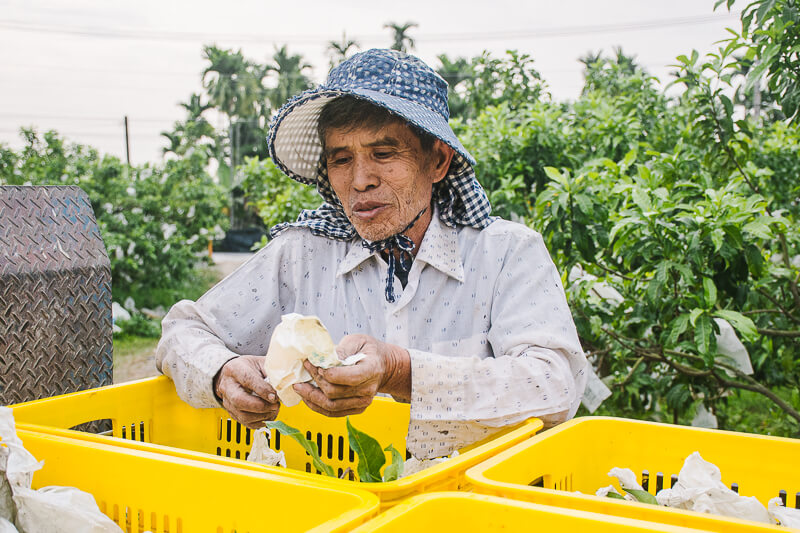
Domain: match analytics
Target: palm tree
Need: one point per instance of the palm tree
(174, 139)
(402, 41)
(229, 81)
(339, 50)
(291, 79)
(195, 107)
(194, 132)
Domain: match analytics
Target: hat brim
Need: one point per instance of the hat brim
(294, 143)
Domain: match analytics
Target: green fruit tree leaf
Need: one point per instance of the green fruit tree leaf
(310, 447)
(702, 333)
(642, 496)
(370, 454)
(394, 470)
(709, 292)
(743, 324)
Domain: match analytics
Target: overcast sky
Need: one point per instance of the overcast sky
(80, 66)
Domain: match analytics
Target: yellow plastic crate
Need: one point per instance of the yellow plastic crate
(144, 491)
(148, 415)
(465, 512)
(577, 455)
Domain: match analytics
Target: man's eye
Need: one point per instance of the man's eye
(383, 154)
(336, 161)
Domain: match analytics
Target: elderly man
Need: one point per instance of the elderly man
(459, 313)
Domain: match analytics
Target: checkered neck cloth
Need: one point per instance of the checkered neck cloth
(408, 88)
(459, 197)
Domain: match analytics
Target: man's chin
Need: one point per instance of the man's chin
(373, 234)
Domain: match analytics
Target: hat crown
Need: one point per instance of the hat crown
(392, 72)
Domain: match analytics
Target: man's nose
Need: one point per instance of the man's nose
(365, 174)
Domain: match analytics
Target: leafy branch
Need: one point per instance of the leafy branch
(371, 458)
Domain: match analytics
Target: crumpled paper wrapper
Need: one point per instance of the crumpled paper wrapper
(627, 480)
(296, 339)
(261, 453)
(700, 488)
(785, 516)
(47, 510)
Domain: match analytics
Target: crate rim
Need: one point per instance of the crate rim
(368, 506)
(477, 474)
(418, 500)
(473, 455)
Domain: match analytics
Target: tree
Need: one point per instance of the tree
(771, 34)
(511, 80)
(670, 218)
(194, 132)
(340, 49)
(402, 41)
(234, 89)
(290, 79)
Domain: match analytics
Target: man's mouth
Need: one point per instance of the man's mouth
(368, 210)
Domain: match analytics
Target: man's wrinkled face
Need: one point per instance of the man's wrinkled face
(383, 177)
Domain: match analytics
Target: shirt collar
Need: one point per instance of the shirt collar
(439, 249)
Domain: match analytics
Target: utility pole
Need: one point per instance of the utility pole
(127, 143)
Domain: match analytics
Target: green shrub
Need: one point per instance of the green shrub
(155, 221)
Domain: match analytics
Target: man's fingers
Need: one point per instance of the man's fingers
(350, 375)
(335, 392)
(350, 345)
(241, 400)
(256, 383)
(317, 401)
(332, 414)
(313, 370)
(255, 420)
(354, 381)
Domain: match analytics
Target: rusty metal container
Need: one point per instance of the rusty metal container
(55, 294)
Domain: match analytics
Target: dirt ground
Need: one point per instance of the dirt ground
(136, 359)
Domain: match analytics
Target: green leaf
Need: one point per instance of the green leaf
(308, 446)
(709, 292)
(694, 314)
(641, 199)
(679, 325)
(743, 324)
(370, 454)
(642, 496)
(394, 470)
(702, 333)
(758, 228)
(615, 495)
(717, 237)
(629, 158)
(555, 175)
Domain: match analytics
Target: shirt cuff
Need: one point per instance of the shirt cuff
(194, 376)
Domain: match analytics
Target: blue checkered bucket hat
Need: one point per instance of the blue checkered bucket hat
(408, 88)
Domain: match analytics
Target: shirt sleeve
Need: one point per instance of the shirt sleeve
(236, 317)
(538, 368)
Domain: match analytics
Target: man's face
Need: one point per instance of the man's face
(382, 177)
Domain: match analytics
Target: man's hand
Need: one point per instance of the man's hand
(245, 393)
(348, 390)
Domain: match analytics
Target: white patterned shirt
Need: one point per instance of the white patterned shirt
(483, 316)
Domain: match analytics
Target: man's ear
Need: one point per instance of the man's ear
(441, 156)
